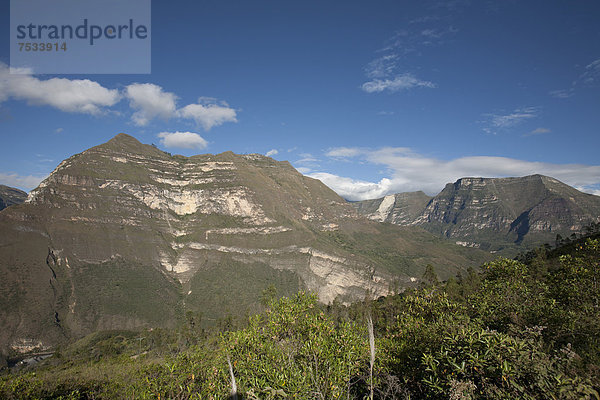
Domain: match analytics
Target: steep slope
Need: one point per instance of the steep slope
(504, 214)
(124, 235)
(10, 196)
(399, 209)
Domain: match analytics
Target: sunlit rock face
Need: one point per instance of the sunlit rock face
(124, 235)
(492, 213)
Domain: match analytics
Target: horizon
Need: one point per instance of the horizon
(371, 99)
(348, 200)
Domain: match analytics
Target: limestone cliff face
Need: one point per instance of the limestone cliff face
(124, 235)
(399, 209)
(10, 196)
(494, 213)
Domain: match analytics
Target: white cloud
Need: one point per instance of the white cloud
(76, 96)
(538, 131)
(272, 152)
(562, 93)
(303, 170)
(208, 114)
(150, 101)
(401, 82)
(352, 189)
(58, 130)
(410, 171)
(497, 122)
(591, 74)
(342, 152)
(589, 77)
(514, 118)
(183, 140)
(382, 66)
(25, 182)
(307, 158)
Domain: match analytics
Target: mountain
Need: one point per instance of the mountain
(124, 235)
(10, 196)
(399, 209)
(497, 214)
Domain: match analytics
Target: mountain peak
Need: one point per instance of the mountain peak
(124, 138)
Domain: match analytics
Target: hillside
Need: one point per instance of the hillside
(124, 235)
(512, 330)
(10, 196)
(496, 214)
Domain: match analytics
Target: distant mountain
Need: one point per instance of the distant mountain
(497, 214)
(10, 196)
(124, 235)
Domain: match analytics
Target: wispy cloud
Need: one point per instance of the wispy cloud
(402, 82)
(25, 182)
(307, 158)
(500, 121)
(389, 71)
(382, 66)
(272, 152)
(591, 74)
(410, 171)
(562, 93)
(182, 140)
(343, 152)
(538, 131)
(589, 77)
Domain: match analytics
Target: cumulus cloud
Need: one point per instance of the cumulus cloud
(352, 189)
(401, 82)
(69, 95)
(182, 140)
(209, 115)
(410, 171)
(25, 182)
(272, 152)
(150, 101)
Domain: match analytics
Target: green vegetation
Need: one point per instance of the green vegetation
(515, 330)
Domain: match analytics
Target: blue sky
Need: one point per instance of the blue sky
(370, 97)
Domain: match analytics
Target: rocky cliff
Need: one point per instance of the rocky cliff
(505, 214)
(10, 196)
(125, 235)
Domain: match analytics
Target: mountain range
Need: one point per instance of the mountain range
(10, 196)
(504, 215)
(126, 236)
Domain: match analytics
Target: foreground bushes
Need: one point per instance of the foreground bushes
(515, 331)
